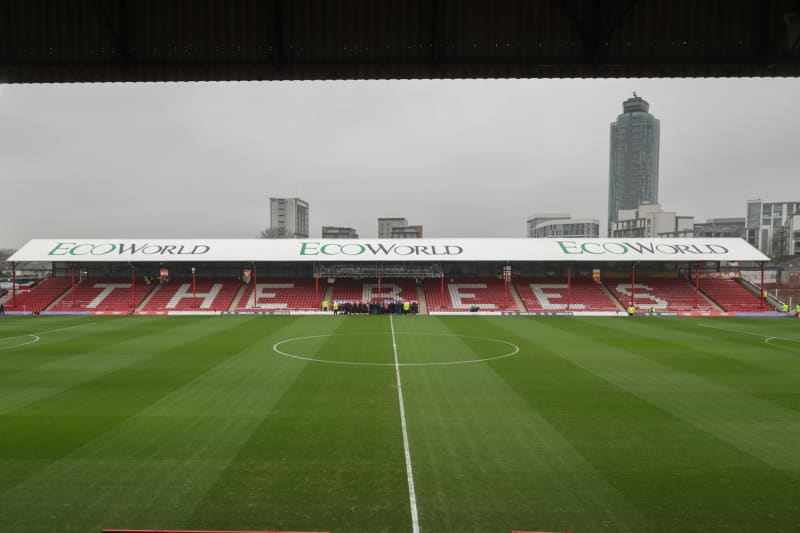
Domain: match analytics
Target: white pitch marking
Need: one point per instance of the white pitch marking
(412, 495)
(766, 338)
(68, 327)
(35, 339)
(515, 351)
(766, 341)
(36, 335)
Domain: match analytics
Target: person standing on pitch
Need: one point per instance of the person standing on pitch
(335, 308)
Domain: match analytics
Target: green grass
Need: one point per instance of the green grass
(595, 425)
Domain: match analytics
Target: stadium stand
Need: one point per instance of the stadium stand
(111, 295)
(552, 294)
(672, 295)
(784, 292)
(464, 294)
(284, 294)
(40, 296)
(177, 295)
(731, 296)
(404, 289)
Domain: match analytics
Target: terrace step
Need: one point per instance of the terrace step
(148, 298)
(423, 304)
(512, 289)
(613, 297)
(237, 297)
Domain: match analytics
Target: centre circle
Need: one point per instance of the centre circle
(439, 349)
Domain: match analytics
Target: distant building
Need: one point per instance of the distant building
(721, 227)
(547, 225)
(406, 232)
(793, 234)
(633, 165)
(334, 232)
(385, 226)
(288, 218)
(649, 220)
(397, 228)
(774, 227)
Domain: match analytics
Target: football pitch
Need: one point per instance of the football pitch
(375, 424)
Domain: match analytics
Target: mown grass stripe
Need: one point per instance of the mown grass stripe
(578, 430)
(107, 347)
(737, 359)
(55, 342)
(328, 457)
(677, 475)
(47, 430)
(471, 430)
(161, 461)
(764, 430)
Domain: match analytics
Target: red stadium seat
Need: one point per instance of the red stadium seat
(112, 295)
(39, 297)
(731, 296)
(208, 295)
(552, 294)
(671, 295)
(462, 294)
(291, 294)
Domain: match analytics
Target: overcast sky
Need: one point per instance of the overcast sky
(464, 158)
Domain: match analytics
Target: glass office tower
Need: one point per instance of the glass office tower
(633, 164)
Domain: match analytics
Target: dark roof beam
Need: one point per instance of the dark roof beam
(587, 34)
(602, 24)
(765, 49)
(435, 52)
(791, 18)
(119, 34)
(616, 21)
(278, 17)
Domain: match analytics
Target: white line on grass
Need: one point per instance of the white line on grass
(513, 352)
(766, 338)
(412, 496)
(35, 339)
(36, 336)
(68, 327)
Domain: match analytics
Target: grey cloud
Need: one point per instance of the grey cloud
(462, 157)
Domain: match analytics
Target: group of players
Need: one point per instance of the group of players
(371, 308)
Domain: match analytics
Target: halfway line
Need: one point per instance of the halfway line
(412, 496)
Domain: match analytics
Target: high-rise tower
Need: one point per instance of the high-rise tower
(633, 164)
(288, 218)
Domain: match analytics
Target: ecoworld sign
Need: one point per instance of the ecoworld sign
(354, 249)
(644, 248)
(75, 249)
(248, 251)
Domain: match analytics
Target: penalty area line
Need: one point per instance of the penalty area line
(36, 336)
(35, 339)
(66, 328)
(766, 338)
(412, 495)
